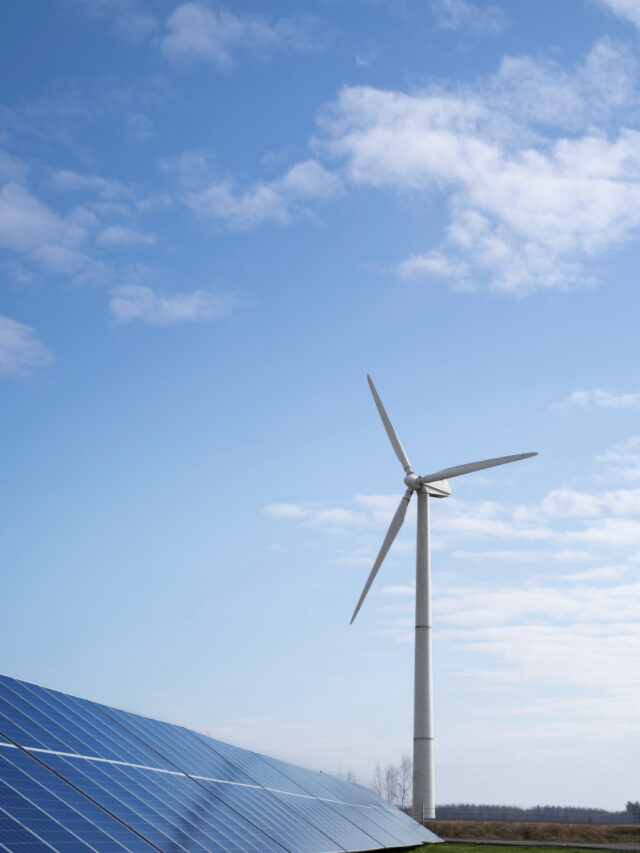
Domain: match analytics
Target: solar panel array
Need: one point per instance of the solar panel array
(79, 776)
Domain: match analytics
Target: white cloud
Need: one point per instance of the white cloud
(20, 348)
(525, 556)
(569, 632)
(65, 180)
(130, 21)
(369, 511)
(41, 237)
(598, 397)
(131, 302)
(613, 532)
(120, 235)
(273, 201)
(195, 31)
(286, 511)
(623, 459)
(398, 590)
(628, 10)
(435, 263)
(476, 607)
(602, 573)
(454, 14)
(11, 169)
(70, 242)
(529, 208)
(26, 224)
(567, 525)
(540, 92)
(596, 653)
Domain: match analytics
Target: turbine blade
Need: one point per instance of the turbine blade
(393, 438)
(457, 470)
(392, 532)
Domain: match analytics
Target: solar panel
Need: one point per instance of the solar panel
(79, 776)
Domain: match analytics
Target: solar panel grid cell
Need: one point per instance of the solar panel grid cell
(365, 822)
(93, 777)
(17, 838)
(389, 820)
(64, 804)
(206, 814)
(33, 716)
(21, 729)
(321, 815)
(44, 707)
(82, 728)
(158, 811)
(353, 820)
(250, 764)
(45, 827)
(178, 746)
(208, 768)
(101, 783)
(346, 825)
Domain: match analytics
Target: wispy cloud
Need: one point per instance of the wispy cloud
(65, 180)
(266, 201)
(569, 623)
(600, 398)
(627, 10)
(131, 302)
(121, 235)
(623, 459)
(455, 14)
(39, 235)
(525, 556)
(21, 350)
(530, 205)
(198, 32)
(436, 264)
(565, 527)
(129, 18)
(368, 511)
(600, 573)
(287, 511)
(69, 234)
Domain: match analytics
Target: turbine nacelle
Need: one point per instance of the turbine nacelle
(438, 489)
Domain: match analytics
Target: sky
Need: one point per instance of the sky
(215, 220)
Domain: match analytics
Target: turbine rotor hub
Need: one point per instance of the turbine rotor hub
(412, 481)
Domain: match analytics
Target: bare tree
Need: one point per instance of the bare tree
(377, 782)
(390, 783)
(405, 779)
(348, 775)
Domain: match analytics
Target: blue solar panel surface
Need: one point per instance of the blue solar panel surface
(79, 776)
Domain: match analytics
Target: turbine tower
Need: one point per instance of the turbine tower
(434, 486)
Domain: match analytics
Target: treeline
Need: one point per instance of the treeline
(538, 814)
(394, 783)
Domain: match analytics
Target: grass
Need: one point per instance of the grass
(503, 848)
(573, 834)
(452, 847)
(566, 833)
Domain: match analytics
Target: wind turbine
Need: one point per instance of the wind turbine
(435, 486)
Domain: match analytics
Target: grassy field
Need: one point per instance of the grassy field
(450, 847)
(567, 833)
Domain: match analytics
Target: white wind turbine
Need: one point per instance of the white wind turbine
(435, 486)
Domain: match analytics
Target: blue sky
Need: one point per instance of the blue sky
(214, 221)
